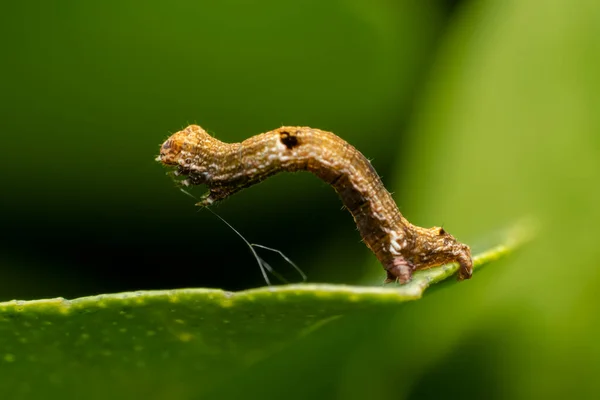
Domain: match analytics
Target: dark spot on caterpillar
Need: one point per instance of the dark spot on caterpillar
(442, 231)
(288, 140)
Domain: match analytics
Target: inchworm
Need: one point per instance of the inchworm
(227, 168)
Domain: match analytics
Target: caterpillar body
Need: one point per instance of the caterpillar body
(227, 168)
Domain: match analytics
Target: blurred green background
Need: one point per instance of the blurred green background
(92, 89)
(476, 114)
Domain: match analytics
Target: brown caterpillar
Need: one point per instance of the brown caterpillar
(229, 167)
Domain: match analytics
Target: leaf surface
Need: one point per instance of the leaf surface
(175, 343)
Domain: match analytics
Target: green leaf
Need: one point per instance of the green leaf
(177, 343)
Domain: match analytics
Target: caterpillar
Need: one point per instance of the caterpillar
(226, 168)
